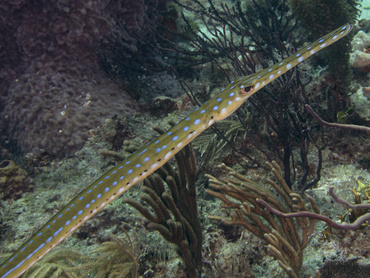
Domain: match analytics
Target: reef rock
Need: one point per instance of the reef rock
(360, 56)
(14, 181)
(361, 100)
(52, 87)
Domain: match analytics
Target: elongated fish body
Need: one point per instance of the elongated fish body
(150, 157)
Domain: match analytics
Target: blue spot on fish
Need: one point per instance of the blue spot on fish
(143, 152)
(57, 232)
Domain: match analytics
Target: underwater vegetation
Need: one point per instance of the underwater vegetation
(215, 143)
(318, 17)
(240, 40)
(117, 258)
(263, 210)
(286, 240)
(171, 208)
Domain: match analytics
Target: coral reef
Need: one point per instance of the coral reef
(14, 181)
(166, 207)
(53, 89)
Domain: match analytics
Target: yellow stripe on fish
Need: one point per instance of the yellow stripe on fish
(150, 157)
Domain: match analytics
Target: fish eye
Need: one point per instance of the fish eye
(246, 90)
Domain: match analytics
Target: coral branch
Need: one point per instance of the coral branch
(345, 203)
(342, 226)
(286, 238)
(174, 210)
(321, 121)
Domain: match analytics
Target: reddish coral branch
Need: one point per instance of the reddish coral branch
(345, 203)
(321, 121)
(342, 226)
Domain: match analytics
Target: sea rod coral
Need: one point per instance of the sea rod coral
(286, 239)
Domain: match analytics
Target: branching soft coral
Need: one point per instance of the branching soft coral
(286, 239)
